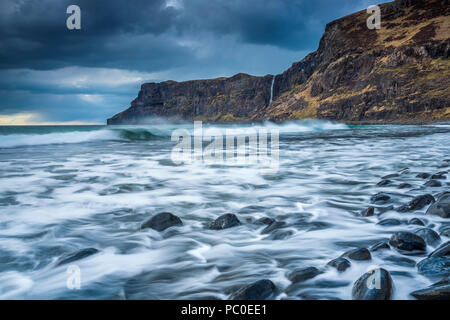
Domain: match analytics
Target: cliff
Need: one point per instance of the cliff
(397, 74)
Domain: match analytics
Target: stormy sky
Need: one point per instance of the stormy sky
(50, 74)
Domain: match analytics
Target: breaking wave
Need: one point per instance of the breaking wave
(19, 137)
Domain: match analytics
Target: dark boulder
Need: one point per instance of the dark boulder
(416, 221)
(439, 176)
(442, 251)
(380, 197)
(408, 243)
(441, 207)
(401, 261)
(429, 235)
(376, 284)
(438, 291)
(264, 221)
(358, 254)
(384, 183)
(423, 175)
(225, 221)
(280, 235)
(390, 176)
(162, 221)
(443, 195)
(445, 232)
(303, 274)
(380, 246)
(389, 222)
(341, 264)
(434, 267)
(81, 254)
(433, 184)
(382, 210)
(368, 212)
(273, 226)
(259, 290)
(404, 186)
(417, 203)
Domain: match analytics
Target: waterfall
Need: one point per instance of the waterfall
(271, 90)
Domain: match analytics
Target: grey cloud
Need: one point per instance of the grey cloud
(197, 39)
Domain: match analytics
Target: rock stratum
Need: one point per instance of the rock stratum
(397, 74)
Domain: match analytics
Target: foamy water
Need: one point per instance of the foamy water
(63, 190)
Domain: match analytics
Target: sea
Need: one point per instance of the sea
(68, 188)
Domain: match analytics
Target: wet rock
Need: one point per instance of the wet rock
(408, 243)
(389, 222)
(380, 246)
(368, 212)
(382, 210)
(162, 221)
(328, 284)
(438, 291)
(280, 235)
(137, 287)
(390, 176)
(380, 197)
(384, 183)
(84, 253)
(434, 267)
(303, 274)
(401, 261)
(423, 175)
(416, 221)
(439, 176)
(433, 184)
(404, 186)
(273, 226)
(430, 236)
(374, 285)
(417, 203)
(225, 221)
(341, 264)
(445, 232)
(358, 254)
(259, 290)
(442, 251)
(442, 195)
(441, 207)
(264, 221)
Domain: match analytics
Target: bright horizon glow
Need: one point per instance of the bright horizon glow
(33, 119)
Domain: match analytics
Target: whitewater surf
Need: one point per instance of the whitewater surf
(81, 194)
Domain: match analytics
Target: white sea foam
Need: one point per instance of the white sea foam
(97, 195)
(14, 140)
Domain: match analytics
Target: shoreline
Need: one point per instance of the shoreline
(366, 122)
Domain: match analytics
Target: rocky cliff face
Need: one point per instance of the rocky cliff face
(398, 74)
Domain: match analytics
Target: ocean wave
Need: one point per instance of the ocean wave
(16, 140)
(306, 126)
(290, 127)
(141, 134)
(147, 133)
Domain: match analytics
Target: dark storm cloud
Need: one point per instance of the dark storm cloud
(289, 24)
(120, 34)
(145, 35)
(160, 39)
